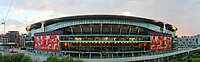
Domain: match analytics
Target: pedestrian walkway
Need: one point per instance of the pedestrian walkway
(34, 56)
(41, 58)
(140, 57)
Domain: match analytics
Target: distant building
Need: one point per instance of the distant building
(189, 41)
(3, 38)
(13, 36)
(10, 39)
(23, 39)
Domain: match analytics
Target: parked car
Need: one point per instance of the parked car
(23, 48)
(12, 51)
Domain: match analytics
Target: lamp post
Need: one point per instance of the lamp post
(10, 4)
(4, 25)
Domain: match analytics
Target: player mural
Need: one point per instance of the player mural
(44, 42)
(161, 42)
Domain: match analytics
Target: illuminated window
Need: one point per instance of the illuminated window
(105, 38)
(78, 39)
(131, 39)
(114, 38)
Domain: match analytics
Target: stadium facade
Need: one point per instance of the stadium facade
(101, 36)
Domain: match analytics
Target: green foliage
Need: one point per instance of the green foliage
(17, 57)
(7, 58)
(14, 58)
(53, 58)
(20, 56)
(195, 59)
(192, 57)
(78, 60)
(1, 56)
(66, 59)
(26, 59)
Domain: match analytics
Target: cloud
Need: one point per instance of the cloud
(181, 13)
(13, 25)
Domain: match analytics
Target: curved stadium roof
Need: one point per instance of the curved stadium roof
(138, 19)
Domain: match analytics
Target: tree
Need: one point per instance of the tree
(52, 58)
(14, 57)
(78, 60)
(17, 57)
(6, 58)
(26, 59)
(1, 56)
(66, 59)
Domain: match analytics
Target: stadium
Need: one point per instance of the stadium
(101, 36)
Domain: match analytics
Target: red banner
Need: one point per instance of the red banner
(44, 42)
(161, 42)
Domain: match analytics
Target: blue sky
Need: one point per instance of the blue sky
(184, 14)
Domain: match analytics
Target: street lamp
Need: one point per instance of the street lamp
(4, 25)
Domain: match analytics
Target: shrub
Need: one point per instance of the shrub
(52, 58)
(1, 56)
(78, 60)
(17, 57)
(26, 59)
(66, 59)
(6, 58)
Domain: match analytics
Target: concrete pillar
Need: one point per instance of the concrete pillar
(141, 54)
(132, 54)
(79, 55)
(158, 60)
(111, 29)
(69, 55)
(90, 56)
(168, 59)
(43, 29)
(162, 59)
(122, 54)
(101, 55)
(154, 60)
(112, 55)
(117, 54)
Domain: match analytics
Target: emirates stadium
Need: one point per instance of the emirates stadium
(101, 36)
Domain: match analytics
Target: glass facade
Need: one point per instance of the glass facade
(105, 46)
(101, 21)
(103, 38)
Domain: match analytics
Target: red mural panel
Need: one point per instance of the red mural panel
(161, 42)
(44, 42)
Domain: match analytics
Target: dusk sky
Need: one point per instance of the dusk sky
(184, 14)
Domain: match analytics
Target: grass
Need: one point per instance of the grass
(195, 59)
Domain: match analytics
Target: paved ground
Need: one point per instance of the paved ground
(35, 57)
(41, 58)
(140, 57)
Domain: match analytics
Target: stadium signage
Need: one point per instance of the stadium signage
(161, 42)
